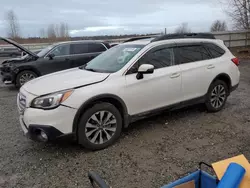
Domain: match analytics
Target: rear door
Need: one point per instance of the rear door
(82, 53)
(60, 61)
(193, 59)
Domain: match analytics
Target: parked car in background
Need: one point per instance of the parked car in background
(56, 57)
(34, 51)
(114, 44)
(126, 83)
(10, 52)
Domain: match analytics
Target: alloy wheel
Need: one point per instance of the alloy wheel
(100, 127)
(218, 96)
(26, 77)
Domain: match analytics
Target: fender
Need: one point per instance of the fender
(103, 97)
(224, 77)
(19, 69)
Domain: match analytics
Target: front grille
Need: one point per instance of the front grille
(21, 102)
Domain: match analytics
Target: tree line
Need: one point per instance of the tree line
(237, 10)
(52, 31)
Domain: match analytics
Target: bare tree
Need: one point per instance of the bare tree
(42, 33)
(51, 31)
(183, 28)
(218, 26)
(64, 30)
(239, 11)
(58, 30)
(13, 29)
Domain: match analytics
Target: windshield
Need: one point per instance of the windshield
(44, 51)
(113, 59)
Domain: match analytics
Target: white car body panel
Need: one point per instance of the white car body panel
(63, 80)
(166, 86)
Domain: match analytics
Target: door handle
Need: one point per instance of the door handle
(175, 75)
(210, 66)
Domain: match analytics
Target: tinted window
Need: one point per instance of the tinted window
(78, 48)
(61, 50)
(215, 51)
(186, 54)
(159, 58)
(96, 48)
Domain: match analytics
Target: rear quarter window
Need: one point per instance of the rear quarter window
(215, 50)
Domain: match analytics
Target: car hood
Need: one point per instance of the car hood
(63, 80)
(13, 60)
(22, 48)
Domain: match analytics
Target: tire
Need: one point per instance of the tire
(20, 79)
(217, 96)
(89, 131)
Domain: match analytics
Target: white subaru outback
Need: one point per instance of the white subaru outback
(130, 81)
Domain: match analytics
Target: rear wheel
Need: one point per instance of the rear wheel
(24, 77)
(217, 96)
(100, 126)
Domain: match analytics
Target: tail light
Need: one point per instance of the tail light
(236, 61)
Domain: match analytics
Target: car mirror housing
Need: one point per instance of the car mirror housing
(51, 56)
(144, 69)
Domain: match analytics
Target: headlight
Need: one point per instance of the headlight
(52, 100)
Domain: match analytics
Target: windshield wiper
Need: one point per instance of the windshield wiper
(92, 70)
(88, 69)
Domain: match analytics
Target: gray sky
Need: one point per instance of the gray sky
(101, 17)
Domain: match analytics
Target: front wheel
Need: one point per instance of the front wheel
(24, 77)
(100, 126)
(217, 96)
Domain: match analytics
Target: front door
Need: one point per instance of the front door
(159, 89)
(60, 60)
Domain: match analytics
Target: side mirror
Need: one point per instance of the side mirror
(51, 56)
(144, 69)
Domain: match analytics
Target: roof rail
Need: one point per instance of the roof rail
(184, 35)
(137, 38)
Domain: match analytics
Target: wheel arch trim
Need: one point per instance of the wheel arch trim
(95, 99)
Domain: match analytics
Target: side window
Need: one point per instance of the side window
(96, 48)
(187, 54)
(159, 58)
(215, 50)
(61, 50)
(78, 48)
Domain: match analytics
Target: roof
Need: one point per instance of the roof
(170, 37)
(79, 41)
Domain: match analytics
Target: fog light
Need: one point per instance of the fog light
(43, 136)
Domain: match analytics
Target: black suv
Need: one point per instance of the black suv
(57, 57)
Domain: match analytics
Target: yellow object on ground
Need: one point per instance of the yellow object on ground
(221, 167)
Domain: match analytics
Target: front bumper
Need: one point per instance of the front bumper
(6, 77)
(54, 123)
(34, 132)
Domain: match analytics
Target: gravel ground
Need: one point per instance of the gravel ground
(150, 153)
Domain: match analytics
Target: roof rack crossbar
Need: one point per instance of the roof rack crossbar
(184, 35)
(137, 38)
